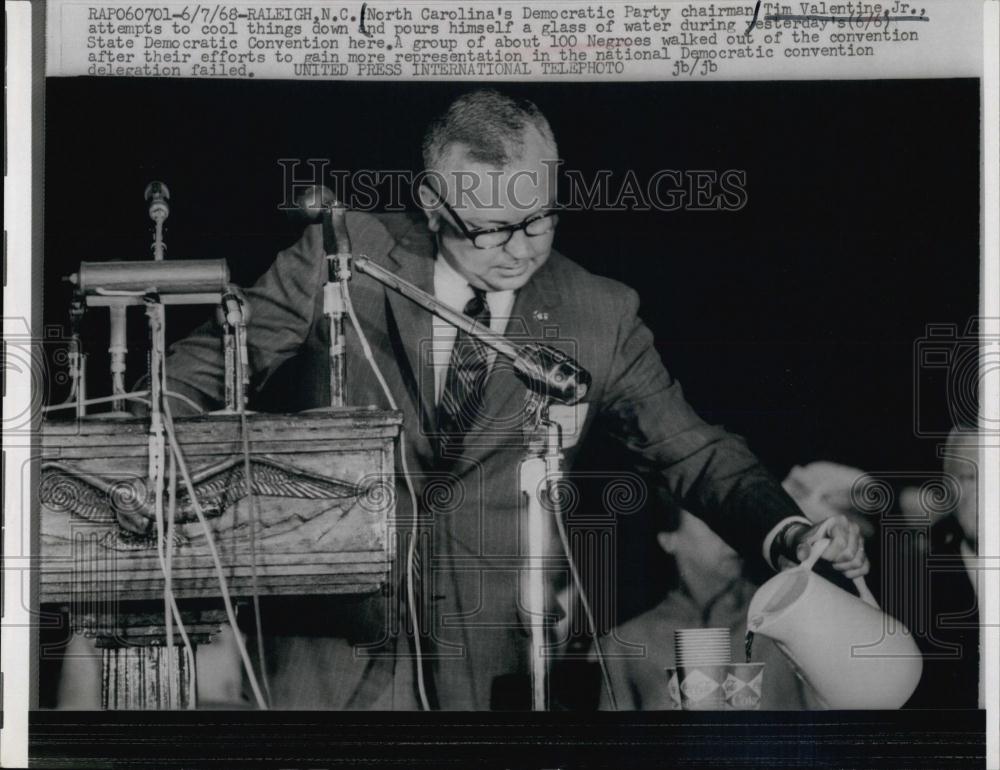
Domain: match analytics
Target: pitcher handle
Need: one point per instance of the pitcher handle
(817, 550)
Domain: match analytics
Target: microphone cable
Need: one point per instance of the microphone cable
(135, 395)
(168, 424)
(588, 612)
(171, 611)
(412, 545)
(252, 509)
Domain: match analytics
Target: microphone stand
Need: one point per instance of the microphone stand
(77, 356)
(232, 314)
(337, 245)
(539, 474)
(320, 204)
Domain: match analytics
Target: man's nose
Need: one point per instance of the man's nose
(520, 246)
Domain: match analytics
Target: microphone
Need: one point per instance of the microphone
(551, 373)
(234, 308)
(159, 209)
(314, 201)
(159, 201)
(319, 204)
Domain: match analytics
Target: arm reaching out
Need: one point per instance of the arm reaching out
(282, 310)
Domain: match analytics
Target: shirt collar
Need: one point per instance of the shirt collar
(449, 280)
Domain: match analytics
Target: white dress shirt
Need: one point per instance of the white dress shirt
(452, 289)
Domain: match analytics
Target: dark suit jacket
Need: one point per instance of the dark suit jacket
(471, 586)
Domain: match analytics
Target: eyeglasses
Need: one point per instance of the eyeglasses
(495, 237)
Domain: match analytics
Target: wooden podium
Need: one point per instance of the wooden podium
(324, 486)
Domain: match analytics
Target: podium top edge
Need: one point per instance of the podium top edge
(347, 416)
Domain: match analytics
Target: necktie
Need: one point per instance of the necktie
(465, 383)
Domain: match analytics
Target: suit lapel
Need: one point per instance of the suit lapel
(413, 258)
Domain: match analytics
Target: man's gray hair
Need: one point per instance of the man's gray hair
(489, 125)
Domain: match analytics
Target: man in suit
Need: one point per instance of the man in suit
(483, 244)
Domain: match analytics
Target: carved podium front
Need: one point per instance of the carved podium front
(323, 498)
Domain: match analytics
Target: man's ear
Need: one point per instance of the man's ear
(667, 541)
(431, 208)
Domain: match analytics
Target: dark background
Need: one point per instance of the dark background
(793, 321)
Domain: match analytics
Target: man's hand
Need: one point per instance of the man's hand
(846, 550)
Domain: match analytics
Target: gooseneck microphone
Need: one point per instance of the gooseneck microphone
(545, 370)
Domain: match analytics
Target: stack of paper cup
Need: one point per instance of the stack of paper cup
(703, 656)
(702, 647)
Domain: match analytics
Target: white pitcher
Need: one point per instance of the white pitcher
(850, 652)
